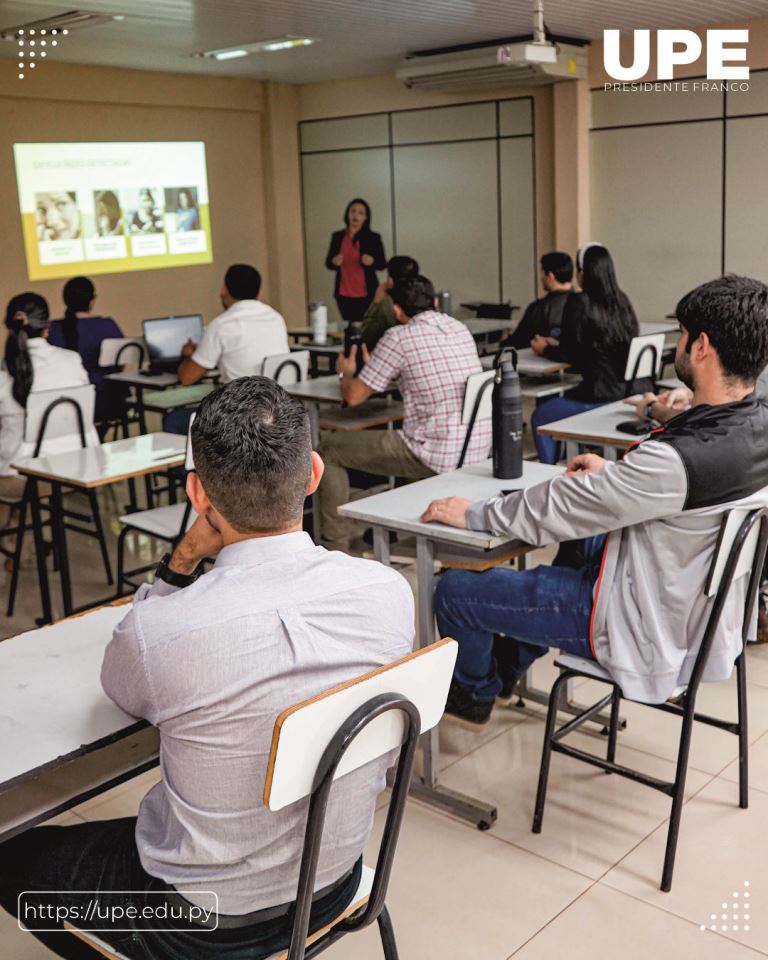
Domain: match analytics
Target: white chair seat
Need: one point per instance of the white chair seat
(591, 668)
(160, 521)
(359, 900)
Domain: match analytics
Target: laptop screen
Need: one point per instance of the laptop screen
(165, 336)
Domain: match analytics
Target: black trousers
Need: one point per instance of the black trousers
(102, 856)
(352, 309)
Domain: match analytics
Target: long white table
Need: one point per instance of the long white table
(399, 510)
(87, 468)
(64, 740)
(598, 428)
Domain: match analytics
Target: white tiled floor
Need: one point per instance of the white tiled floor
(586, 888)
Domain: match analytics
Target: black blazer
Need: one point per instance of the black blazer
(369, 243)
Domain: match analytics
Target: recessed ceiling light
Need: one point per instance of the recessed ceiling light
(261, 46)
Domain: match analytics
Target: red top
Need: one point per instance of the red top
(352, 282)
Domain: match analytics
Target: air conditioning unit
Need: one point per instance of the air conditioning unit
(516, 64)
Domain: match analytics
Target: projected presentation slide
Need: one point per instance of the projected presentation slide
(110, 207)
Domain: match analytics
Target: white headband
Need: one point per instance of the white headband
(582, 250)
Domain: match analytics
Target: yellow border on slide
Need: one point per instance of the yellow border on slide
(52, 271)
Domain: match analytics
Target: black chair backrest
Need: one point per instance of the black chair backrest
(131, 345)
(61, 401)
(318, 804)
(726, 574)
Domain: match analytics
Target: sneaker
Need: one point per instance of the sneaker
(463, 710)
(506, 695)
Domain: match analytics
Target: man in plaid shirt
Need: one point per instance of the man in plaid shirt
(428, 356)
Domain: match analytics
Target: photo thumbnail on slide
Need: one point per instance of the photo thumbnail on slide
(112, 207)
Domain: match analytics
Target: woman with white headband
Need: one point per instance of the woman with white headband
(597, 327)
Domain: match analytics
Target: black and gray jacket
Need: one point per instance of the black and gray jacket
(662, 506)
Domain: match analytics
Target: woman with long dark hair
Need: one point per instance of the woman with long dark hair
(597, 327)
(31, 364)
(83, 330)
(355, 253)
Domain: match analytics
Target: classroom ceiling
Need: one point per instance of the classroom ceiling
(355, 37)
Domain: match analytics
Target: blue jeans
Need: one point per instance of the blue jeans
(533, 609)
(558, 408)
(177, 421)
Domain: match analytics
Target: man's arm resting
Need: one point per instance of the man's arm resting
(190, 372)
(354, 391)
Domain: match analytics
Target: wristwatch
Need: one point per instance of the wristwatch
(164, 573)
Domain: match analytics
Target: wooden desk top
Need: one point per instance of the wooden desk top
(163, 400)
(153, 381)
(109, 462)
(52, 706)
(596, 426)
(321, 390)
(400, 509)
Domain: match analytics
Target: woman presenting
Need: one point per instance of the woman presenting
(355, 253)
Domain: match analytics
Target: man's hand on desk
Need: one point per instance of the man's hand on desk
(189, 348)
(663, 407)
(585, 463)
(451, 511)
(199, 542)
(539, 344)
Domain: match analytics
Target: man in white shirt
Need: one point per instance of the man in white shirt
(238, 340)
(211, 661)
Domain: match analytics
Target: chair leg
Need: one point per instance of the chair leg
(613, 729)
(16, 560)
(387, 933)
(546, 751)
(100, 535)
(121, 561)
(677, 797)
(741, 696)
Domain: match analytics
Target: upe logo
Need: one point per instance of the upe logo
(677, 47)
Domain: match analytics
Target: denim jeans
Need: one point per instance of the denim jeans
(177, 421)
(533, 609)
(558, 408)
(102, 856)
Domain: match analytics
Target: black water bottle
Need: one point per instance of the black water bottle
(352, 339)
(507, 420)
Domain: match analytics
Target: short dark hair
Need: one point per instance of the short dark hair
(252, 450)
(243, 281)
(558, 263)
(401, 267)
(413, 295)
(733, 312)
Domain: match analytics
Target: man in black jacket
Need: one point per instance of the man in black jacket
(543, 317)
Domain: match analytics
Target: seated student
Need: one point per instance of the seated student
(380, 315)
(428, 356)
(31, 364)
(211, 661)
(597, 327)
(83, 331)
(543, 318)
(639, 610)
(236, 341)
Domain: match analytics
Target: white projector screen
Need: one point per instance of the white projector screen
(112, 207)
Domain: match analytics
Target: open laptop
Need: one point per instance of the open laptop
(165, 336)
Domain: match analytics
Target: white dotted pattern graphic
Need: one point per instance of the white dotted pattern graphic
(30, 46)
(739, 918)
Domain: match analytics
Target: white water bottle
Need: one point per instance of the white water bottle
(318, 320)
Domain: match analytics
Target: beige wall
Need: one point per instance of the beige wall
(336, 98)
(87, 103)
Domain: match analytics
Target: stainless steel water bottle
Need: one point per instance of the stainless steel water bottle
(507, 420)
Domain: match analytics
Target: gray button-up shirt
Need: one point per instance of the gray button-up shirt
(276, 621)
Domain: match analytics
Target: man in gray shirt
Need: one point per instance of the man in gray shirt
(211, 661)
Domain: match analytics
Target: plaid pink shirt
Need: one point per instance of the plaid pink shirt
(430, 359)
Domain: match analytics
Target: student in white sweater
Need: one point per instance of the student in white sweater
(31, 364)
